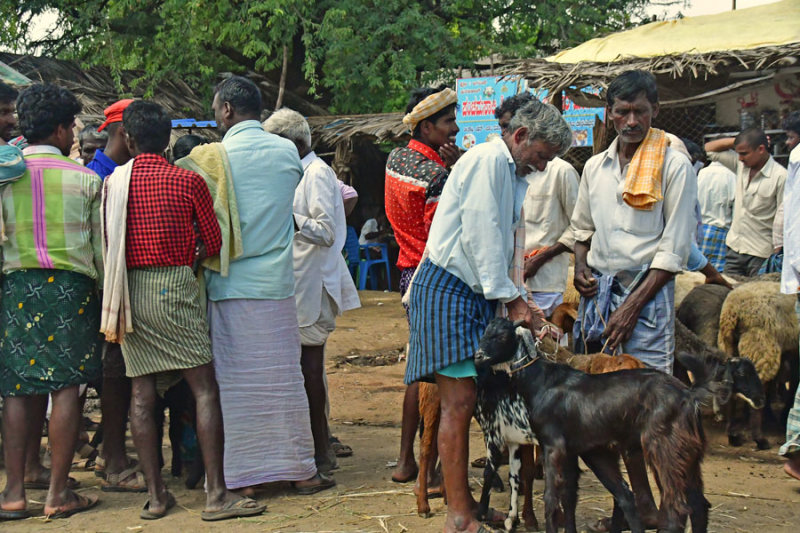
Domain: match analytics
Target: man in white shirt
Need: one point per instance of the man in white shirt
(716, 187)
(456, 289)
(790, 279)
(759, 189)
(323, 286)
(548, 207)
(626, 257)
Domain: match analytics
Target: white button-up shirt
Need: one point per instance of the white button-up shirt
(472, 234)
(317, 249)
(716, 190)
(790, 275)
(624, 238)
(756, 202)
(548, 207)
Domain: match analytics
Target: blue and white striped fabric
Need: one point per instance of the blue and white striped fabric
(712, 244)
(447, 321)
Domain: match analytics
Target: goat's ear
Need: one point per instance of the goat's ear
(518, 323)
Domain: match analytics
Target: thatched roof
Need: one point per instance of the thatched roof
(96, 89)
(332, 130)
(682, 78)
(694, 58)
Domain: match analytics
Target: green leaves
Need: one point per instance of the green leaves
(357, 56)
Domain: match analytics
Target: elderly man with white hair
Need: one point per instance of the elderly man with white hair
(323, 286)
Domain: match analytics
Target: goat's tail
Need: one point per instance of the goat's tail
(674, 452)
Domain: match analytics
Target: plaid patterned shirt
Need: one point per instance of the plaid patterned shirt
(163, 203)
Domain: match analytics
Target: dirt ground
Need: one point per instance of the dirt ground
(747, 489)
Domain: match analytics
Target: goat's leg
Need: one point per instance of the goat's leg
(756, 422)
(528, 475)
(569, 493)
(605, 465)
(734, 438)
(637, 474)
(493, 452)
(514, 466)
(553, 458)
(427, 442)
(698, 505)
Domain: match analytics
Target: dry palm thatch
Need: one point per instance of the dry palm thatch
(682, 78)
(333, 130)
(96, 88)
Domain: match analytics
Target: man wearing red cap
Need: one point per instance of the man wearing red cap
(116, 151)
(121, 474)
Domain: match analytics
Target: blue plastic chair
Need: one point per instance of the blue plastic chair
(366, 264)
(352, 252)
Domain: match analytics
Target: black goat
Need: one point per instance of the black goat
(736, 378)
(523, 398)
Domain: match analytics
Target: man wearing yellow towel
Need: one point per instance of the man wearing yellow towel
(633, 222)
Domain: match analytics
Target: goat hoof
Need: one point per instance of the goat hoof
(424, 514)
(510, 524)
(735, 440)
(762, 444)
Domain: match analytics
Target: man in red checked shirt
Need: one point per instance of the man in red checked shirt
(415, 176)
(169, 335)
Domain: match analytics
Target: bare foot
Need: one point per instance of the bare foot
(246, 492)
(792, 468)
(12, 504)
(405, 472)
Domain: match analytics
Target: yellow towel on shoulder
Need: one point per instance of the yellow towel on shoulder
(211, 162)
(643, 179)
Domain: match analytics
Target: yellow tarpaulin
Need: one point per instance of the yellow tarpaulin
(769, 25)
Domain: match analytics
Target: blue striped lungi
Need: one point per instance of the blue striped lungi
(447, 321)
(712, 244)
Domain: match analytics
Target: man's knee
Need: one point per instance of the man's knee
(458, 396)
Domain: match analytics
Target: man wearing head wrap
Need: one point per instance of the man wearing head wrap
(115, 153)
(415, 175)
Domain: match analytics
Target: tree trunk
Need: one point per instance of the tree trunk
(282, 84)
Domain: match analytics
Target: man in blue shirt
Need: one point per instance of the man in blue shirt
(120, 472)
(252, 314)
(116, 151)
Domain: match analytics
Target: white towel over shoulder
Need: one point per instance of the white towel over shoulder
(116, 317)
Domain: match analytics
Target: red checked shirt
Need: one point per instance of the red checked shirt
(415, 176)
(163, 203)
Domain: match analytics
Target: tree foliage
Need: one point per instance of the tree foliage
(356, 55)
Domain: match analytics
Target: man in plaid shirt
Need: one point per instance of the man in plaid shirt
(170, 331)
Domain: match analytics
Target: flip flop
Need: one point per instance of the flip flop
(339, 449)
(118, 483)
(147, 514)
(17, 514)
(235, 509)
(72, 484)
(326, 482)
(84, 504)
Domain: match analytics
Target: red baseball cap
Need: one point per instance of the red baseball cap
(113, 112)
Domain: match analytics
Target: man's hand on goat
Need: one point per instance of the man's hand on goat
(519, 309)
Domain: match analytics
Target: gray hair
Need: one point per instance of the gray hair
(544, 123)
(289, 124)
